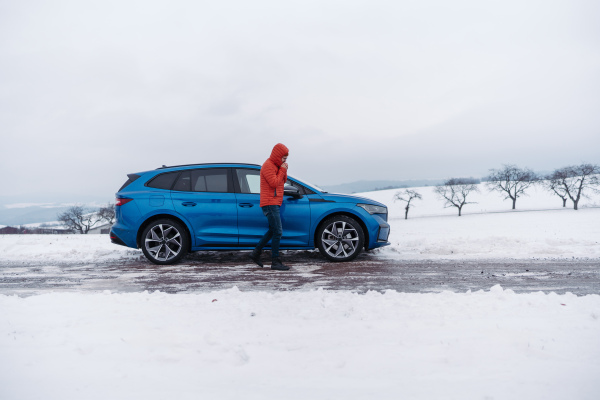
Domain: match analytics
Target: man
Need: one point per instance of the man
(273, 175)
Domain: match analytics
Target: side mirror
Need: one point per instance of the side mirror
(292, 191)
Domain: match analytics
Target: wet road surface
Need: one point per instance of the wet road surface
(208, 271)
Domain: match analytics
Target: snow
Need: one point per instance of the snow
(556, 234)
(539, 228)
(63, 248)
(298, 345)
(536, 198)
(319, 344)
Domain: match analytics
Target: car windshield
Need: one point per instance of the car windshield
(309, 184)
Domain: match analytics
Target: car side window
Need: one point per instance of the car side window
(203, 180)
(249, 180)
(163, 181)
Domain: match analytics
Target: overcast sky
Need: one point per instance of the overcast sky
(93, 90)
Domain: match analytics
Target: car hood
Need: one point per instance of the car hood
(347, 198)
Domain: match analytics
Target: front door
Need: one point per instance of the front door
(252, 224)
(205, 197)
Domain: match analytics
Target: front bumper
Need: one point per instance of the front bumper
(384, 233)
(380, 232)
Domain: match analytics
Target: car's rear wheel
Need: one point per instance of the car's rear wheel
(340, 238)
(165, 241)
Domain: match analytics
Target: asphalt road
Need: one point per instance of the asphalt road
(209, 271)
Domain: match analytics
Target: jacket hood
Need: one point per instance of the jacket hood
(278, 151)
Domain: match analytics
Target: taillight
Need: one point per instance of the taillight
(120, 201)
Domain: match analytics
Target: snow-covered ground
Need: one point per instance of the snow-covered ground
(516, 235)
(318, 344)
(300, 345)
(539, 228)
(536, 198)
(63, 248)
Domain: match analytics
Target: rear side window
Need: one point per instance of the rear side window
(204, 180)
(163, 181)
(132, 177)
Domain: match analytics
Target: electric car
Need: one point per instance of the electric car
(171, 211)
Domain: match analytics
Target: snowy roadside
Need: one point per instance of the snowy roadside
(63, 248)
(298, 345)
(553, 234)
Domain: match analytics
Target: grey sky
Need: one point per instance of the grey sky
(93, 90)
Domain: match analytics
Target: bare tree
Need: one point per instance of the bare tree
(553, 183)
(107, 213)
(511, 181)
(79, 218)
(407, 196)
(575, 179)
(455, 191)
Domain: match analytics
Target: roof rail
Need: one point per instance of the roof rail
(191, 165)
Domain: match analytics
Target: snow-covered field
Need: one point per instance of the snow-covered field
(63, 248)
(539, 228)
(317, 344)
(536, 198)
(300, 345)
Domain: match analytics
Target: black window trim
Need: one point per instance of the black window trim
(130, 179)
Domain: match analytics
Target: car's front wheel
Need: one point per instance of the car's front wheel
(340, 238)
(165, 241)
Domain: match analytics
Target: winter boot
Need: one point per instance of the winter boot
(278, 265)
(255, 257)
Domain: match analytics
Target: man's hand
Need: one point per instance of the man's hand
(284, 165)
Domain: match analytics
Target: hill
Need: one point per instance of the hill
(367, 186)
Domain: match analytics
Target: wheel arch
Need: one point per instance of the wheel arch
(153, 218)
(347, 214)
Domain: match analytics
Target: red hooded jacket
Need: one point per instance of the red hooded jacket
(273, 177)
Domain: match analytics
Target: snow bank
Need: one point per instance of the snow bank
(300, 345)
(556, 234)
(57, 248)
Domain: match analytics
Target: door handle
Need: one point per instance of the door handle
(188, 204)
(246, 205)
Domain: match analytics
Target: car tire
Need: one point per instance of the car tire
(165, 241)
(340, 238)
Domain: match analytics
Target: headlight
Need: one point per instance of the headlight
(371, 209)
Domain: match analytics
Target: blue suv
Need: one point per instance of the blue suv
(171, 211)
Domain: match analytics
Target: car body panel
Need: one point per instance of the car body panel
(252, 223)
(211, 215)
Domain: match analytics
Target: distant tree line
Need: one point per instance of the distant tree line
(573, 182)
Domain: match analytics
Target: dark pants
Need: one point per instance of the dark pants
(275, 231)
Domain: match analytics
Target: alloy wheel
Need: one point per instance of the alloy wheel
(340, 239)
(163, 242)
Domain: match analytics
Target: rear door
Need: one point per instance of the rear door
(207, 200)
(252, 224)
